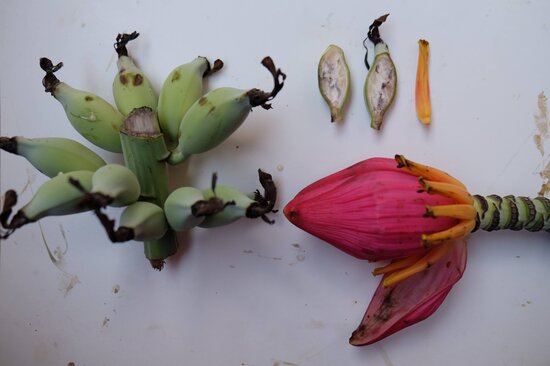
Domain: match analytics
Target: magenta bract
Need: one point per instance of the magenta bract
(371, 210)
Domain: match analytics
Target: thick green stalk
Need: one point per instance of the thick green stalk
(511, 212)
(145, 153)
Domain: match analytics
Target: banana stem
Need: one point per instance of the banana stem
(145, 153)
(511, 212)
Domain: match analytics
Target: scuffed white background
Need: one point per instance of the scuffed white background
(245, 295)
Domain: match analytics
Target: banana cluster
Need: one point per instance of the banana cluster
(187, 121)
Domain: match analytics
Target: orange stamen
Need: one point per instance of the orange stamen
(427, 172)
(452, 191)
(463, 228)
(398, 264)
(461, 211)
(422, 92)
(424, 263)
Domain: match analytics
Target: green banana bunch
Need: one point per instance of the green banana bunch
(92, 116)
(180, 90)
(53, 155)
(216, 115)
(57, 196)
(238, 204)
(115, 185)
(131, 88)
(179, 211)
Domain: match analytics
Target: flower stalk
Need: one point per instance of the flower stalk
(145, 153)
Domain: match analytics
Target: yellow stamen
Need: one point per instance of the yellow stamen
(427, 172)
(398, 264)
(424, 263)
(422, 92)
(452, 191)
(463, 228)
(464, 212)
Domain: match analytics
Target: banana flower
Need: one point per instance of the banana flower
(416, 217)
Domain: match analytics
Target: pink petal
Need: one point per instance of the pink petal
(413, 300)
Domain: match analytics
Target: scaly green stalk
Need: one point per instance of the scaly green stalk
(511, 212)
(145, 153)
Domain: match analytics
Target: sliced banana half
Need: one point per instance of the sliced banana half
(334, 81)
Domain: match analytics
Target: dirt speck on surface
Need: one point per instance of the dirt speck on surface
(116, 289)
(105, 323)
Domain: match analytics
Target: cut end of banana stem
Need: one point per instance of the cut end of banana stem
(260, 98)
(157, 264)
(121, 42)
(49, 81)
(8, 144)
(217, 66)
(142, 122)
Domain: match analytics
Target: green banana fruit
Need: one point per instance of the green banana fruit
(238, 204)
(146, 220)
(230, 213)
(182, 88)
(57, 196)
(131, 88)
(216, 115)
(53, 155)
(381, 82)
(178, 208)
(92, 116)
(116, 184)
(140, 221)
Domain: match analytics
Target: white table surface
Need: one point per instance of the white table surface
(250, 293)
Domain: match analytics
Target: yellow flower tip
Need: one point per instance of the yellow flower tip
(400, 160)
(422, 91)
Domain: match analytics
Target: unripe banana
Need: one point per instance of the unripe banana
(57, 196)
(182, 88)
(230, 213)
(53, 155)
(117, 184)
(146, 220)
(131, 88)
(216, 115)
(92, 116)
(178, 208)
(238, 204)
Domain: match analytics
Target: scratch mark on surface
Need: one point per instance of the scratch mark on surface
(385, 356)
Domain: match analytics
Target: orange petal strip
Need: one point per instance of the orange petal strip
(463, 228)
(422, 92)
(398, 264)
(452, 191)
(463, 211)
(424, 263)
(427, 172)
